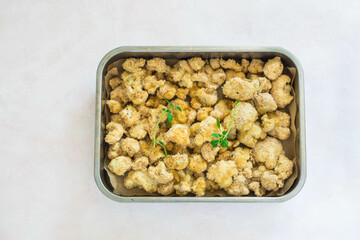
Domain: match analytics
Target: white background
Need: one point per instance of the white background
(49, 51)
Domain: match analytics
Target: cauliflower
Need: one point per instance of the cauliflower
(142, 180)
(269, 180)
(114, 150)
(186, 81)
(151, 84)
(239, 89)
(215, 63)
(199, 187)
(130, 146)
(273, 68)
(222, 109)
(245, 116)
(177, 161)
(166, 189)
(178, 133)
(256, 66)
(241, 156)
(196, 163)
(114, 82)
(257, 189)
(138, 131)
(245, 65)
(184, 186)
(258, 172)
(156, 64)
(230, 64)
(182, 93)
(264, 103)
(130, 116)
(185, 65)
(264, 84)
(203, 113)
(251, 136)
(222, 172)
(167, 91)
(226, 125)
(196, 63)
(268, 151)
(160, 173)
(218, 77)
(115, 133)
(207, 97)
(195, 103)
(284, 168)
(156, 154)
(120, 165)
(133, 65)
(208, 152)
(120, 94)
(140, 163)
(206, 128)
(239, 186)
(280, 91)
(137, 95)
(232, 74)
(277, 124)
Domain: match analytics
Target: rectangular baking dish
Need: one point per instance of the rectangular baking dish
(288, 59)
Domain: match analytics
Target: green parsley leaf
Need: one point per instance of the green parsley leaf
(224, 144)
(178, 108)
(214, 143)
(218, 123)
(215, 135)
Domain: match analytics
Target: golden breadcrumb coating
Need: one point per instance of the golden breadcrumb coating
(177, 161)
(269, 180)
(273, 68)
(182, 93)
(245, 116)
(166, 189)
(239, 186)
(130, 146)
(151, 84)
(120, 165)
(222, 172)
(268, 151)
(284, 167)
(133, 64)
(277, 124)
(114, 150)
(230, 64)
(206, 128)
(179, 134)
(167, 91)
(115, 132)
(207, 97)
(120, 94)
(257, 189)
(196, 63)
(114, 82)
(160, 173)
(241, 156)
(129, 115)
(256, 66)
(264, 103)
(222, 109)
(203, 113)
(208, 152)
(156, 64)
(232, 74)
(239, 89)
(251, 136)
(140, 163)
(245, 65)
(196, 163)
(140, 179)
(139, 130)
(280, 91)
(215, 63)
(199, 187)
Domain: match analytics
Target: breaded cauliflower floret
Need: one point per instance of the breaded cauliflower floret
(273, 68)
(196, 63)
(206, 128)
(208, 152)
(133, 64)
(245, 65)
(199, 187)
(280, 91)
(151, 84)
(196, 163)
(218, 77)
(264, 84)
(222, 172)
(232, 74)
(206, 97)
(129, 115)
(245, 116)
(179, 134)
(256, 66)
(184, 186)
(140, 180)
(215, 63)
(130, 145)
(182, 93)
(177, 161)
(156, 64)
(114, 151)
(264, 103)
(268, 151)
(120, 94)
(140, 163)
(186, 81)
(115, 133)
(251, 136)
(226, 125)
(241, 156)
(120, 165)
(257, 189)
(114, 82)
(185, 65)
(258, 172)
(239, 187)
(160, 173)
(156, 154)
(166, 189)
(284, 168)
(239, 89)
(186, 116)
(222, 109)
(138, 131)
(167, 91)
(195, 103)
(269, 180)
(277, 124)
(114, 106)
(203, 113)
(230, 64)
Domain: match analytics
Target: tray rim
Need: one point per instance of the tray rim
(301, 111)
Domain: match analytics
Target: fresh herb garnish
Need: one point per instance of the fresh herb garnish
(223, 136)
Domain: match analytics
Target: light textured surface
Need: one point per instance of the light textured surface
(49, 53)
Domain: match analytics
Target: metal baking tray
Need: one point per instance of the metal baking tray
(179, 52)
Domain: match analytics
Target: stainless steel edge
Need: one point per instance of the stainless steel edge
(301, 111)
